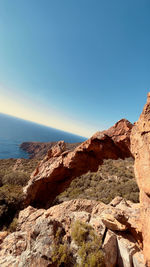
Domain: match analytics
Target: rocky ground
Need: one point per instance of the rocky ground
(75, 233)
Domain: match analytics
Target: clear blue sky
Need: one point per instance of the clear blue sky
(76, 65)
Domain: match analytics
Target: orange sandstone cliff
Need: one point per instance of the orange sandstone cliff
(140, 147)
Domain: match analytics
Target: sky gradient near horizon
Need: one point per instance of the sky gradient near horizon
(77, 66)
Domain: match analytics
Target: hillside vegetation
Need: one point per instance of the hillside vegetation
(86, 251)
(14, 174)
(113, 178)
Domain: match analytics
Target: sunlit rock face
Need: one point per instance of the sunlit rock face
(60, 167)
(140, 147)
(35, 239)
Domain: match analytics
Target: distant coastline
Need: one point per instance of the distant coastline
(39, 149)
(15, 131)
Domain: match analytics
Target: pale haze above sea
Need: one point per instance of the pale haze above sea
(14, 131)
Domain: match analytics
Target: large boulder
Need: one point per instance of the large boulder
(127, 247)
(110, 249)
(140, 147)
(59, 167)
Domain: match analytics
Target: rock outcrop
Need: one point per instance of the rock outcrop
(140, 147)
(57, 170)
(38, 150)
(33, 242)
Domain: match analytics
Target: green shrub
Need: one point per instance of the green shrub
(12, 227)
(11, 194)
(89, 252)
(2, 173)
(10, 203)
(89, 243)
(80, 232)
(11, 183)
(61, 253)
(15, 178)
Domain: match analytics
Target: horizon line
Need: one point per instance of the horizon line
(48, 126)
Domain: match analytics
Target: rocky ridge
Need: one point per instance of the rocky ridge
(60, 167)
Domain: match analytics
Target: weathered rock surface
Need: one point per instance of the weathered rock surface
(126, 249)
(110, 249)
(3, 235)
(32, 243)
(140, 147)
(138, 259)
(57, 170)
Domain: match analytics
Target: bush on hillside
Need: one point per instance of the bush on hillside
(15, 178)
(61, 252)
(86, 253)
(11, 183)
(89, 245)
(10, 203)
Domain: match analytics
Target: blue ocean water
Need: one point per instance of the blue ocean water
(14, 131)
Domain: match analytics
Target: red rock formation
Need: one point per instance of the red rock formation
(140, 147)
(58, 168)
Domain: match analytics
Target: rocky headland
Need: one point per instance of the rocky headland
(38, 150)
(84, 232)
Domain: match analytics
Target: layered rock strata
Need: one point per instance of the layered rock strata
(117, 224)
(60, 167)
(140, 147)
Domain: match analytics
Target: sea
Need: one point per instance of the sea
(14, 131)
